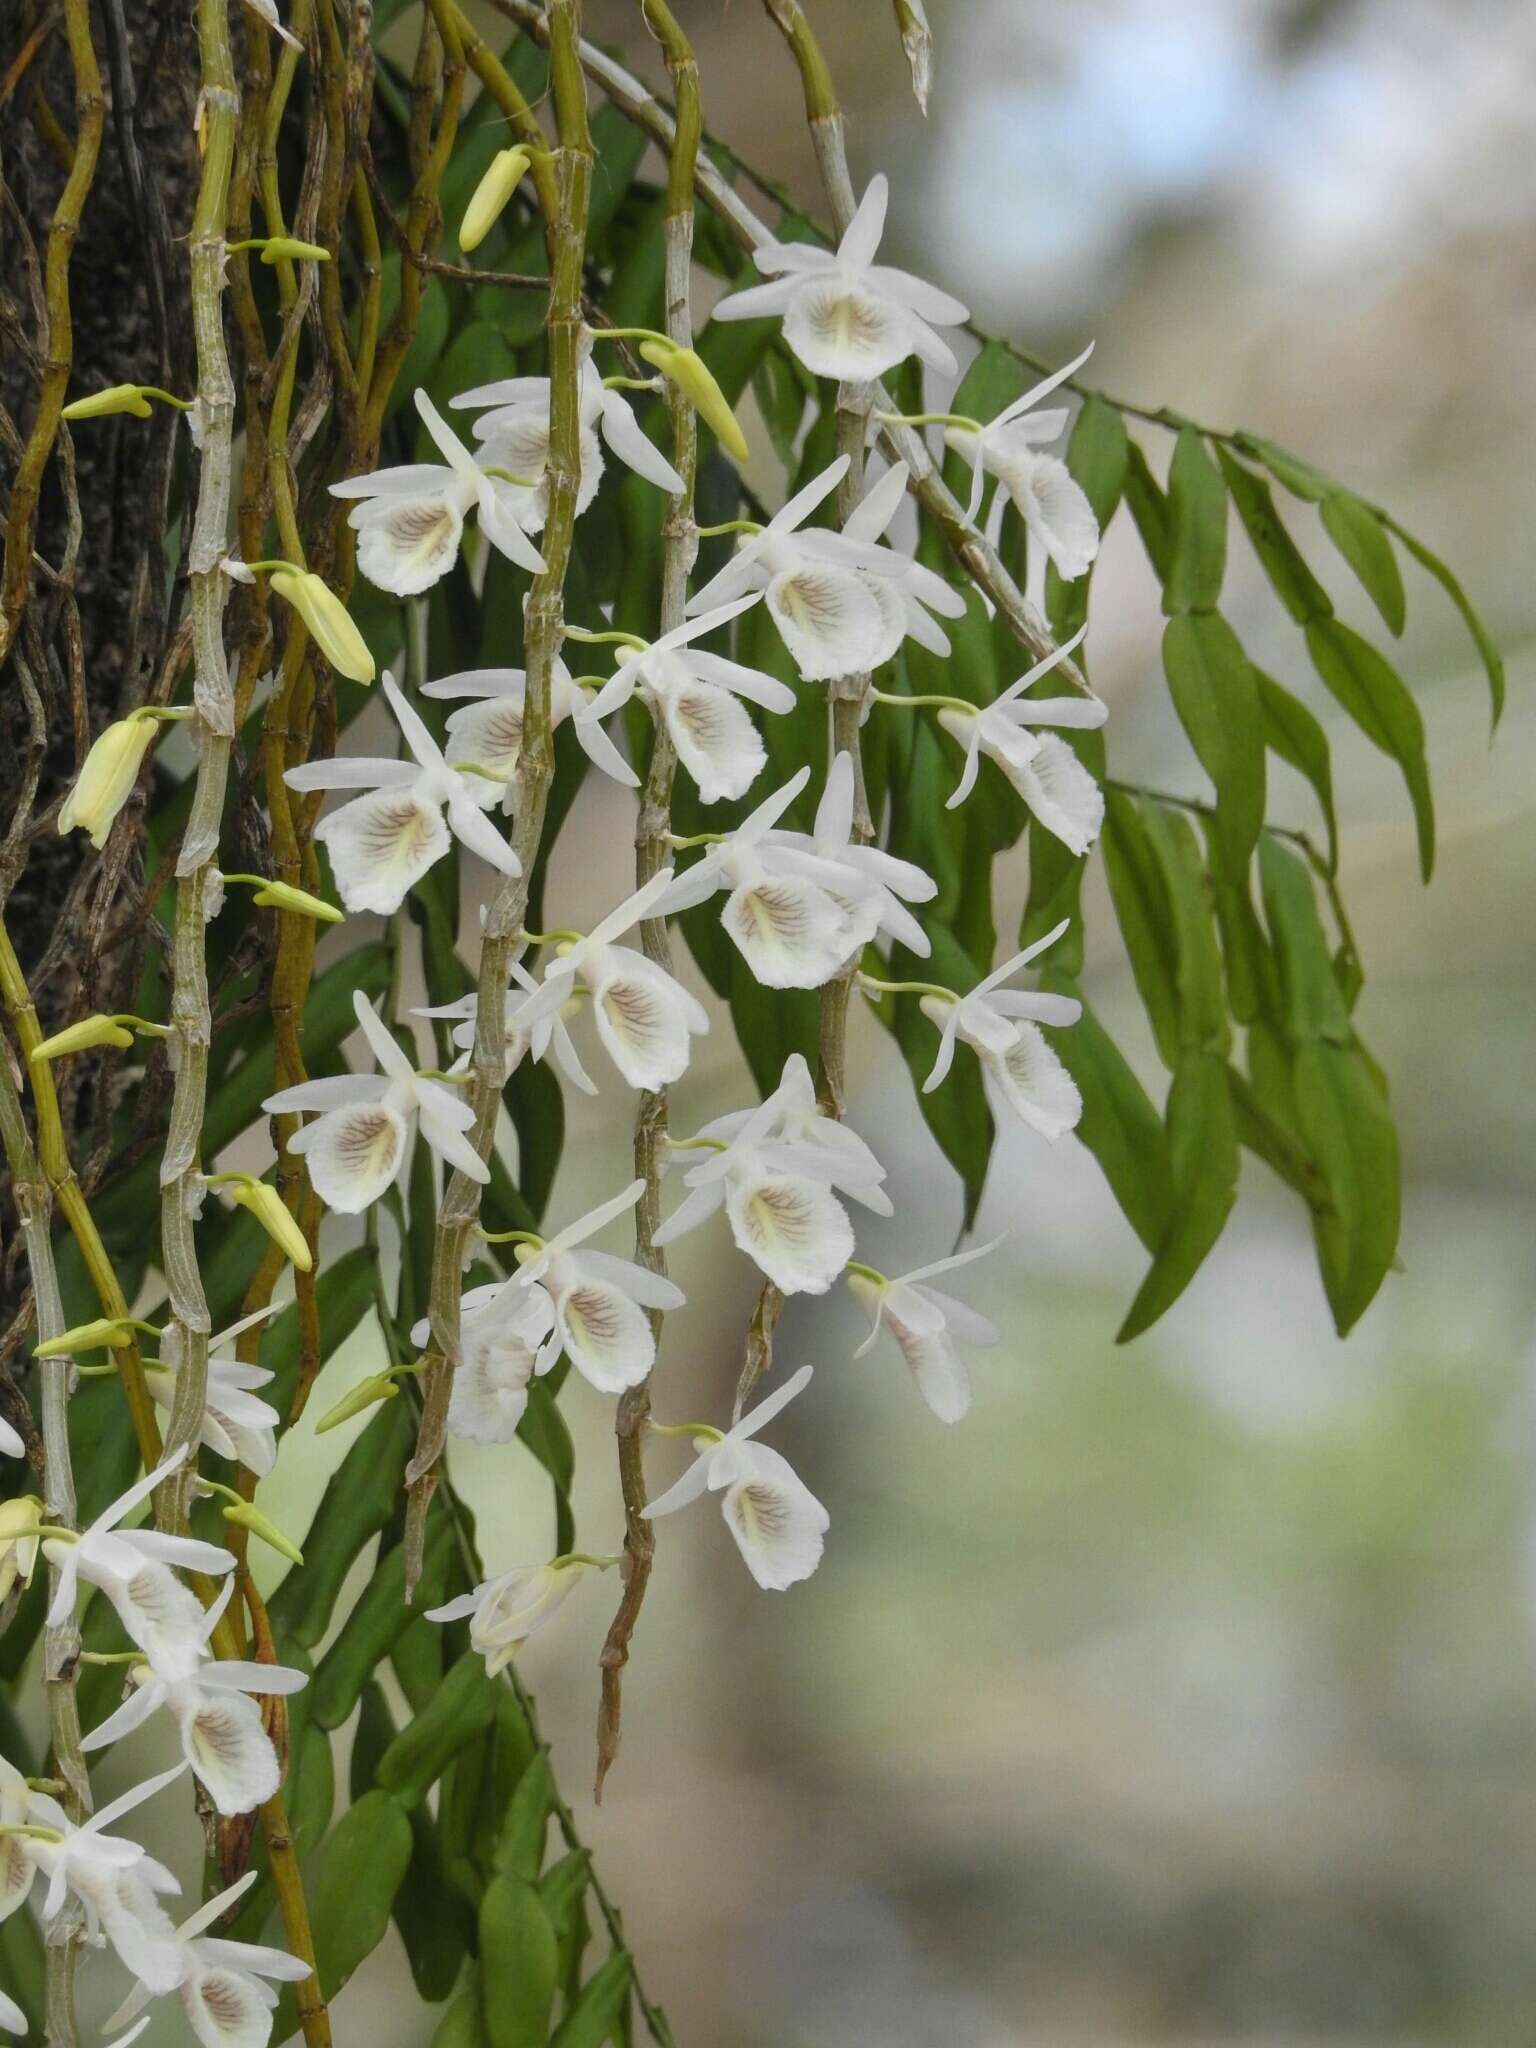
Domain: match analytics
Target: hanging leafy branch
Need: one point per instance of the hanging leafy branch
(836, 759)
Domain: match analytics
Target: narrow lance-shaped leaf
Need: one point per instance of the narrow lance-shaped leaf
(1380, 703)
(1216, 695)
(1197, 520)
(1356, 530)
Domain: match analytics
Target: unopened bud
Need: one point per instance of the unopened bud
(505, 173)
(116, 398)
(687, 369)
(329, 622)
(272, 1213)
(105, 1333)
(366, 1394)
(81, 1037)
(106, 778)
(245, 1515)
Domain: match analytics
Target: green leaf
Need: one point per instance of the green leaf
(1197, 520)
(563, 1888)
(1216, 695)
(1361, 538)
(1145, 917)
(1300, 478)
(463, 1706)
(519, 1964)
(1492, 660)
(1347, 1127)
(461, 2025)
(597, 2012)
(1120, 1126)
(1283, 562)
(1295, 735)
(361, 1867)
(380, 1617)
(435, 1923)
(1203, 1162)
(356, 1505)
(1149, 508)
(543, 1429)
(1098, 456)
(520, 1844)
(1314, 1008)
(1199, 979)
(1379, 702)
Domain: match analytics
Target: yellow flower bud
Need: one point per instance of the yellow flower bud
(328, 620)
(104, 1333)
(687, 369)
(377, 1387)
(19, 1541)
(116, 398)
(106, 778)
(278, 247)
(246, 1516)
(271, 1212)
(283, 896)
(505, 174)
(80, 1037)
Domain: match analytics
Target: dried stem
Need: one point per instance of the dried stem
(680, 544)
(58, 357)
(571, 170)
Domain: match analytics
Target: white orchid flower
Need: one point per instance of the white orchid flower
(915, 590)
(357, 1144)
(694, 695)
(488, 730)
(786, 910)
(503, 1612)
(544, 1034)
(222, 1987)
(777, 1522)
(773, 1170)
(16, 1865)
(644, 1017)
(409, 520)
(134, 1568)
(220, 1726)
(12, 2019)
(236, 1423)
(792, 1116)
(1051, 502)
(11, 1445)
(873, 881)
(1002, 1025)
(502, 1329)
(842, 604)
(1043, 769)
(845, 315)
(514, 435)
(599, 1301)
(115, 1880)
(926, 1324)
(382, 843)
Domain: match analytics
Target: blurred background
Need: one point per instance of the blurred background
(1185, 1693)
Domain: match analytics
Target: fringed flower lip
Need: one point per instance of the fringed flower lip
(358, 1143)
(383, 842)
(775, 1520)
(409, 519)
(842, 603)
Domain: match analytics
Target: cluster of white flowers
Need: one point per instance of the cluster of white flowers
(801, 908)
(117, 1885)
